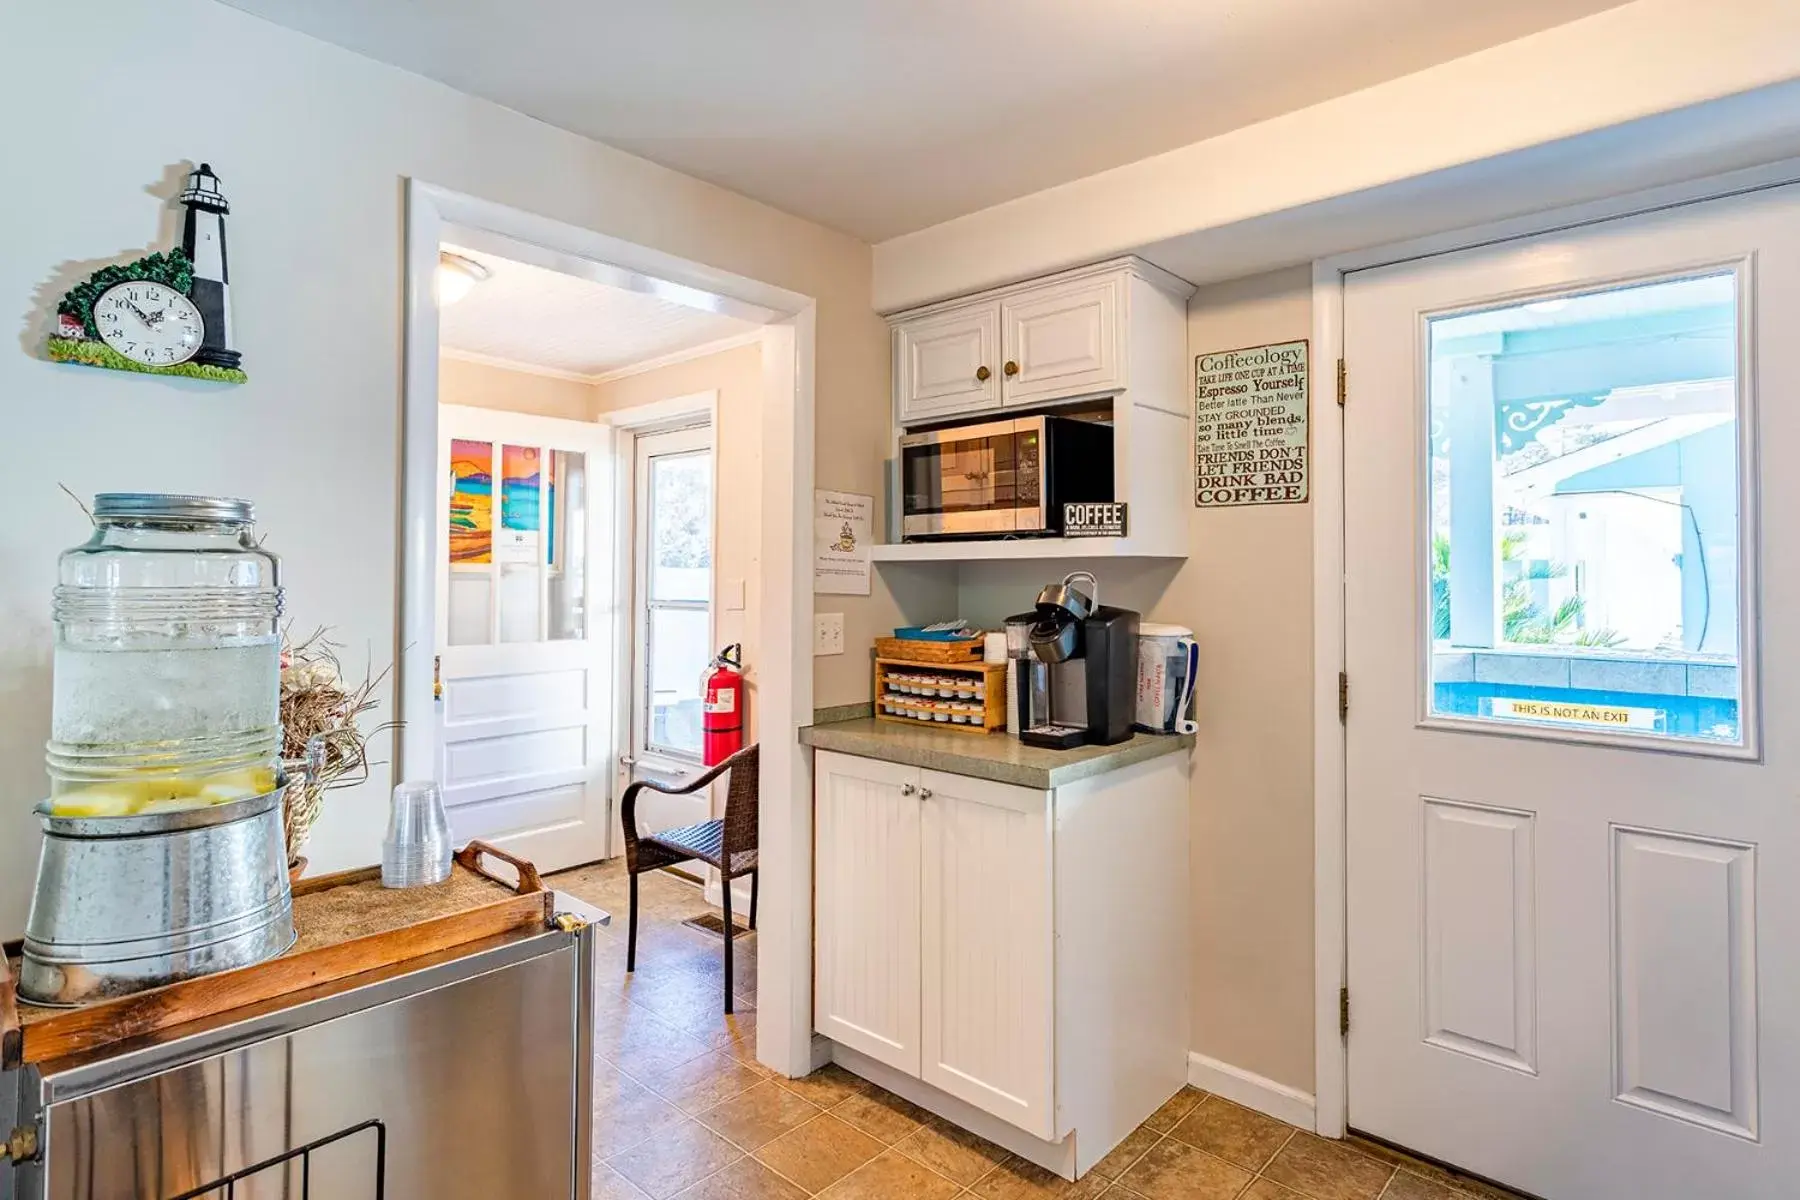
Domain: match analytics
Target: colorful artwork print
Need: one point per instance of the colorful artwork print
(550, 503)
(471, 501)
(519, 488)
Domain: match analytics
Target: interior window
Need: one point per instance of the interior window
(674, 531)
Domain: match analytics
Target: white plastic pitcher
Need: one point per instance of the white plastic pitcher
(1168, 660)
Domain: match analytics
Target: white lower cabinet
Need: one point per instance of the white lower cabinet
(866, 946)
(986, 983)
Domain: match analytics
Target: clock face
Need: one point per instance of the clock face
(150, 323)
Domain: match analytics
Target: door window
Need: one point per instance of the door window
(518, 545)
(1585, 537)
(675, 503)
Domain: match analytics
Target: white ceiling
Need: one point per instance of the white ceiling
(879, 117)
(538, 317)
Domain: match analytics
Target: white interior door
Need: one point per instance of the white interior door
(1574, 838)
(525, 596)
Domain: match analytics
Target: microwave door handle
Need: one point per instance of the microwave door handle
(1190, 649)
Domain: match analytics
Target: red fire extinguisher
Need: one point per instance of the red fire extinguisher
(722, 706)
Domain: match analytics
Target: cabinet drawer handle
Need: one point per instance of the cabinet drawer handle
(982, 373)
(1012, 368)
(907, 789)
(924, 793)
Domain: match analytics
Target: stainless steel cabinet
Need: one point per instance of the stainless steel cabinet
(468, 1078)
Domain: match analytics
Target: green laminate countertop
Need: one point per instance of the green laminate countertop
(994, 756)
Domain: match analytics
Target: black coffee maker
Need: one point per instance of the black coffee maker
(1078, 684)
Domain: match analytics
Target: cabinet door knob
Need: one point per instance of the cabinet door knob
(1012, 368)
(982, 373)
(907, 789)
(924, 793)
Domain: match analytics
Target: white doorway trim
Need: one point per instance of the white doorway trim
(1330, 907)
(784, 942)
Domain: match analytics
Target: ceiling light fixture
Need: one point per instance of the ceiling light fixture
(457, 277)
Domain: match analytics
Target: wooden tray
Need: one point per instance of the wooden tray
(347, 924)
(928, 652)
(993, 703)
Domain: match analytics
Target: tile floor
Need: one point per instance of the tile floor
(682, 1109)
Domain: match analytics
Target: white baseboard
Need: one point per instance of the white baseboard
(1251, 1090)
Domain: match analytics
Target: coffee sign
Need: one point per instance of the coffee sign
(1094, 520)
(1250, 426)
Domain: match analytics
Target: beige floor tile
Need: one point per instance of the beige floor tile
(819, 1153)
(642, 1043)
(698, 1084)
(758, 1116)
(1268, 1189)
(1172, 1170)
(745, 1179)
(892, 1176)
(880, 1114)
(1407, 1186)
(737, 1035)
(626, 1112)
(825, 1086)
(1456, 1181)
(675, 1159)
(608, 1184)
(951, 1151)
(1175, 1108)
(1324, 1170)
(1121, 1156)
(1234, 1133)
(1016, 1179)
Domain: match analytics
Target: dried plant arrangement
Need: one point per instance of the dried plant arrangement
(323, 745)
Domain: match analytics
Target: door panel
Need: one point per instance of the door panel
(940, 362)
(1565, 833)
(524, 713)
(987, 1035)
(1064, 341)
(866, 964)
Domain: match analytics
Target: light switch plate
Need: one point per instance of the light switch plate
(731, 594)
(828, 633)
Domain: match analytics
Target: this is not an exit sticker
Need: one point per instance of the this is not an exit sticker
(1643, 720)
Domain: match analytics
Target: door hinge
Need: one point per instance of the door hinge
(1344, 1012)
(1343, 383)
(1343, 698)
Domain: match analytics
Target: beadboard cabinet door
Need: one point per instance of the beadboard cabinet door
(987, 1032)
(947, 364)
(866, 875)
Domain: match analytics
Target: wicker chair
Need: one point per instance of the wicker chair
(727, 844)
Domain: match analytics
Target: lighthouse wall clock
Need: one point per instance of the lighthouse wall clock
(165, 314)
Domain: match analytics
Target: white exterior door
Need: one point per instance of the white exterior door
(988, 1033)
(525, 592)
(1574, 834)
(866, 897)
(948, 364)
(1062, 341)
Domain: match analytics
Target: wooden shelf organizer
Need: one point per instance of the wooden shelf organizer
(347, 924)
(985, 712)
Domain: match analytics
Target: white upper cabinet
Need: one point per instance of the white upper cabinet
(948, 364)
(1116, 329)
(1062, 341)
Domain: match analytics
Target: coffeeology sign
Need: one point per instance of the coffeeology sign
(1250, 428)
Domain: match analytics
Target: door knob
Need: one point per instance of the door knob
(982, 373)
(924, 793)
(1012, 368)
(437, 677)
(907, 789)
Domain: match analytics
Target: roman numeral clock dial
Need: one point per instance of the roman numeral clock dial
(149, 323)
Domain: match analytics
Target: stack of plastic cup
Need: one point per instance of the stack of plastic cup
(416, 851)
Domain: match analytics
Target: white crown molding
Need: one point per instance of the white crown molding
(508, 364)
(680, 356)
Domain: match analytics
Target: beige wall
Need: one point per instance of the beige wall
(483, 385)
(736, 374)
(1246, 592)
(313, 145)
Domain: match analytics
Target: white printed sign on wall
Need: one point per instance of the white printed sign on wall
(1250, 426)
(842, 522)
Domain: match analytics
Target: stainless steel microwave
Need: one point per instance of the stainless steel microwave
(1002, 478)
